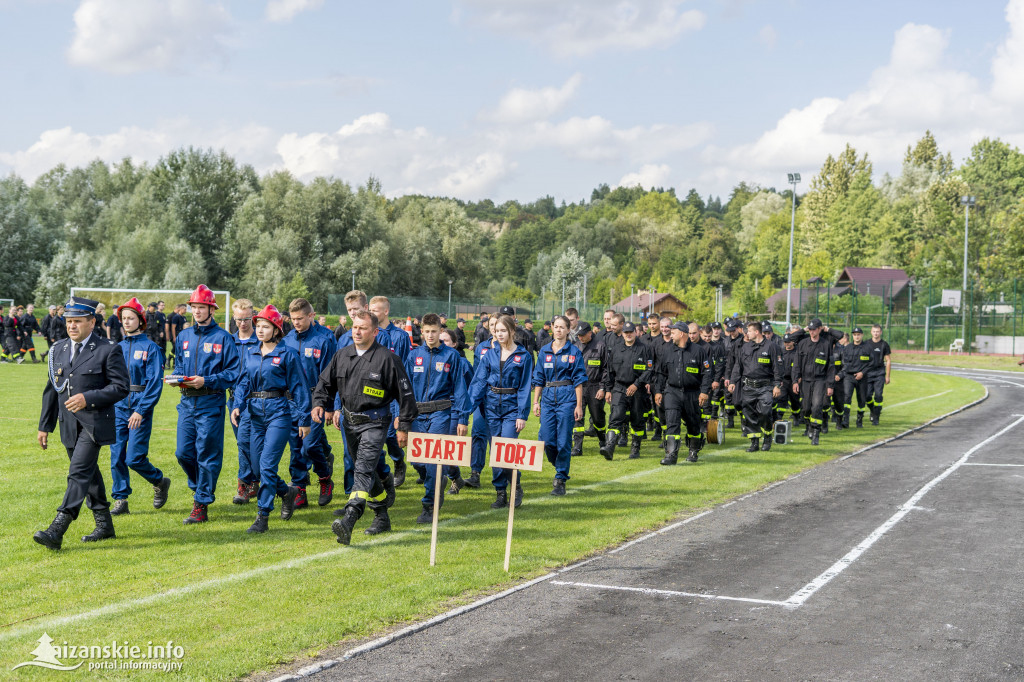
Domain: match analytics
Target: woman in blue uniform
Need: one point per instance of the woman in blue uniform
(133, 416)
(481, 433)
(464, 370)
(558, 398)
(271, 378)
(501, 389)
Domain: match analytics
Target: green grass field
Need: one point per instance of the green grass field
(238, 603)
(973, 361)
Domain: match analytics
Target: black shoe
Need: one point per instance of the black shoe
(420, 479)
(657, 433)
(824, 425)
(623, 441)
(53, 536)
(634, 451)
(692, 457)
(558, 488)
(199, 514)
(119, 507)
(160, 492)
(730, 416)
(457, 485)
(766, 444)
(241, 497)
(427, 515)
(807, 431)
(608, 449)
(326, 492)
(474, 480)
(342, 527)
(577, 445)
(754, 446)
(389, 488)
(259, 525)
(591, 432)
(381, 523)
(400, 472)
(519, 495)
(671, 451)
(814, 437)
(875, 414)
(104, 527)
(288, 502)
(860, 420)
(500, 500)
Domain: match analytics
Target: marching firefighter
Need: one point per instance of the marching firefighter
(595, 363)
(630, 367)
(682, 380)
(758, 373)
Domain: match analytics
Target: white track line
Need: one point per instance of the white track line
(926, 397)
(986, 464)
(668, 593)
(805, 593)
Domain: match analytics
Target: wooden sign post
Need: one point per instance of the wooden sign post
(433, 449)
(515, 454)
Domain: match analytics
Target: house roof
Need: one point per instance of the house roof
(777, 302)
(644, 301)
(889, 283)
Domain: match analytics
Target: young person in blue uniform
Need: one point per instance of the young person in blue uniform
(450, 338)
(270, 381)
(134, 414)
(501, 389)
(248, 463)
(558, 398)
(481, 431)
(205, 353)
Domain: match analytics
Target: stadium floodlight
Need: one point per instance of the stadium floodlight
(794, 179)
(450, 297)
(967, 202)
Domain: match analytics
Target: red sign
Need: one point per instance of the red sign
(513, 453)
(433, 448)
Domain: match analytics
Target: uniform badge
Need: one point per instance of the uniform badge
(184, 345)
(438, 366)
(565, 358)
(516, 359)
(447, 366)
(275, 361)
(187, 353)
(572, 358)
(207, 347)
(138, 355)
(316, 353)
(483, 351)
(60, 370)
(548, 358)
(217, 347)
(309, 352)
(419, 361)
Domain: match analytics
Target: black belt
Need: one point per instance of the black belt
(433, 406)
(136, 389)
(756, 383)
(356, 418)
(197, 392)
(503, 391)
(270, 394)
(556, 384)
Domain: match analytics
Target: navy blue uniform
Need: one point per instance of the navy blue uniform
(502, 391)
(248, 464)
(481, 431)
(315, 348)
(131, 451)
(264, 387)
(210, 352)
(559, 373)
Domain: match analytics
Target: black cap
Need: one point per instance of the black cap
(459, 320)
(583, 327)
(681, 326)
(507, 310)
(629, 327)
(716, 325)
(527, 321)
(786, 338)
(857, 330)
(766, 326)
(814, 324)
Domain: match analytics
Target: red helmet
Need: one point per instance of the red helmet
(137, 308)
(271, 315)
(203, 295)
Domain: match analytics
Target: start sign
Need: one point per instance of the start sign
(512, 453)
(433, 448)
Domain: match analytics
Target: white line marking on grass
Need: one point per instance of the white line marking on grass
(668, 593)
(805, 593)
(927, 397)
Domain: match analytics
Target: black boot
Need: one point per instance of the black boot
(389, 488)
(766, 444)
(400, 472)
(242, 496)
(474, 480)
(840, 425)
(846, 419)
(591, 432)
(577, 445)
(824, 423)
(427, 515)
(695, 444)
(343, 527)
(119, 507)
(457, 485)
(558, 487)
(104, 527)
(326, 491)
(754, 446)
(519, 495)
(199, 514)
(657, 432)
(730, 416)
(634, 452)
(876, 412)
(160, 492)
(381, 522)
(260, 525)
(860, 420)
(288, 502)
(608, 449)
(807, 431)
(671, 451)
(500, 500)
(814, 436)
(623, 441)
(53, 536)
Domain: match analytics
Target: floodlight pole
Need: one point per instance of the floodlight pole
(794, 178)
(450, 297)
(967, 203)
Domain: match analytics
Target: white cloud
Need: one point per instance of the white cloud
(285, 10)
(648, 176)
(1008, 65)
(520, 105)
(768, 36)
(583, 27)
(128, 36)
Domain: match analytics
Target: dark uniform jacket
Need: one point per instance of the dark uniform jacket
(99, 373)
(630, 364)
(733, 354)
(758, 362)
(877, 351)
(716, 349)
(814, 360)
(366, 383)
(856, 358)
(687, 369)
(596, 363)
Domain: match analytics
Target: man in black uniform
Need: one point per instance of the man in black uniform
(29, 323)
(12, 335)
(595, 362)
(631, 367)
(716, 349)
(544, 335)
(368, 377)
(482, 334)
(814, 375)
(520, 336)
(879, 369)
(855, 366)
(838, 397)
(758, 369)
(45, 328)
(531, 338)
(659, 345)
(682, 378)
(87, 376)
(788, 400)
(733, 340)
(175, 323)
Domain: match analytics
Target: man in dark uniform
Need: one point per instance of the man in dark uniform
(716, 349)
(878, 372)
(659, 345)
(162, 318)
(520, 336)
(29, 323)
(368, 377)
(531, 338)
(838, 397)
(758, 369)
(788, 400)
(814, 375)
(544, 335)
(595, 362)
(175, 323)
(733, 340)
(460, 336)
(631, 366)
(12, 335)
(482, 333)
(87, 377)
(855, 365)
(682, 384)
(46, 328)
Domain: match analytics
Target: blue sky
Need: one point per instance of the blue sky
(508, 99)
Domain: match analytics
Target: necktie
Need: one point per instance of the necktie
(78, 349)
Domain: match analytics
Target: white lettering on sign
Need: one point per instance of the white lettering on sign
(435, 448)
(512, 453)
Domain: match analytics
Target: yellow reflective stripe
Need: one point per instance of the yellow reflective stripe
(594, 363)
(639, 368)
(693, 370)
(578, 429)
(374, 392)
(820, 361)
(379, 498)
(764, 361)
(359, 495)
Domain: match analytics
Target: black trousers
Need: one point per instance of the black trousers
(875, 385)
(626, 410)
(788, 399)
(596, 409)
(682, 406)
(367, 442)
(85, 482)
(813, 394)
(757, 411)
(851, 386)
